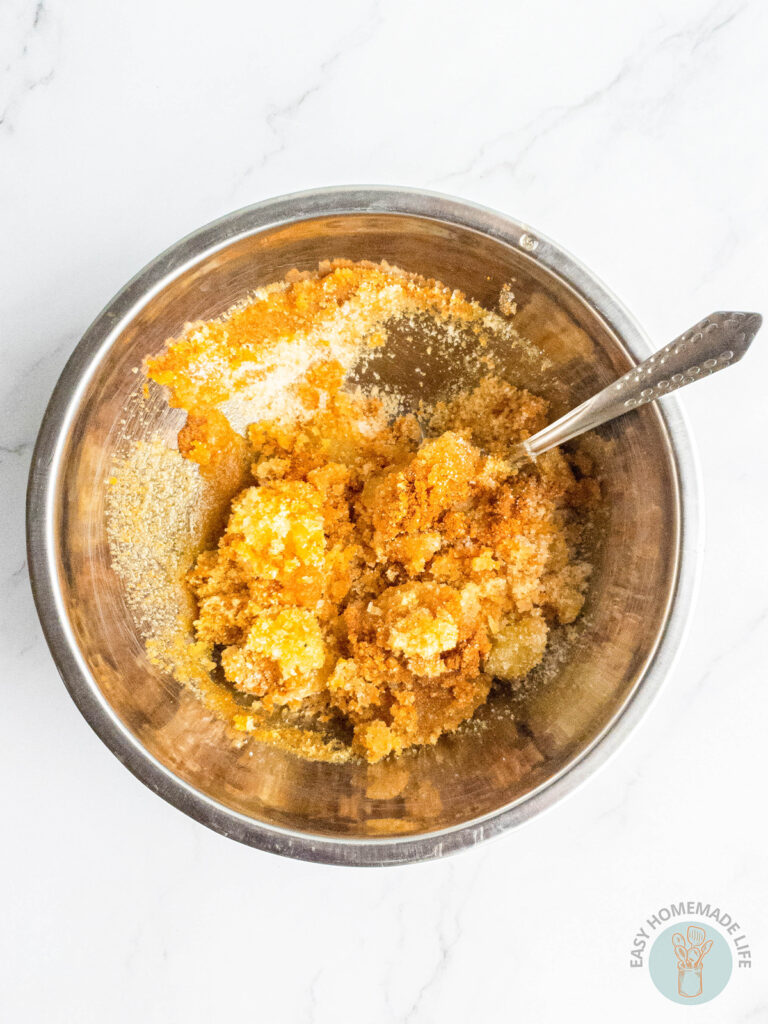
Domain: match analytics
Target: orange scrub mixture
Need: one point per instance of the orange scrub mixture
(367, 575)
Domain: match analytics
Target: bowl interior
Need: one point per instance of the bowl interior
(523, 743)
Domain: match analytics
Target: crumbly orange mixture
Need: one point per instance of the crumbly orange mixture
(295, 325)
(367, 574)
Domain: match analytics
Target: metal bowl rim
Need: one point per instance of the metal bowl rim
(271, 213)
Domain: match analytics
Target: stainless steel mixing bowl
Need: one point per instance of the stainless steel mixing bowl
(473, 784)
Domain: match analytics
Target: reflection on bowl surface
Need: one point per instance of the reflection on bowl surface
(474, 782)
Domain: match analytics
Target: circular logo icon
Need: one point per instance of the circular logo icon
(690, 962)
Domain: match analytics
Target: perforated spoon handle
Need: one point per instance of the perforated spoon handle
(717, 341)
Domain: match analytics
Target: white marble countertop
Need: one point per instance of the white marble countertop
(635, 135)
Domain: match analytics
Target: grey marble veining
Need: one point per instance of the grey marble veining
(634, 134)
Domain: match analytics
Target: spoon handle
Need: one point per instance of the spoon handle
(717, 341)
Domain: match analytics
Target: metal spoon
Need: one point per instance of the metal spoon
(717, 341)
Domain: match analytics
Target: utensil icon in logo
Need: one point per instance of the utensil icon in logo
(689, 958)
(696, 935)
